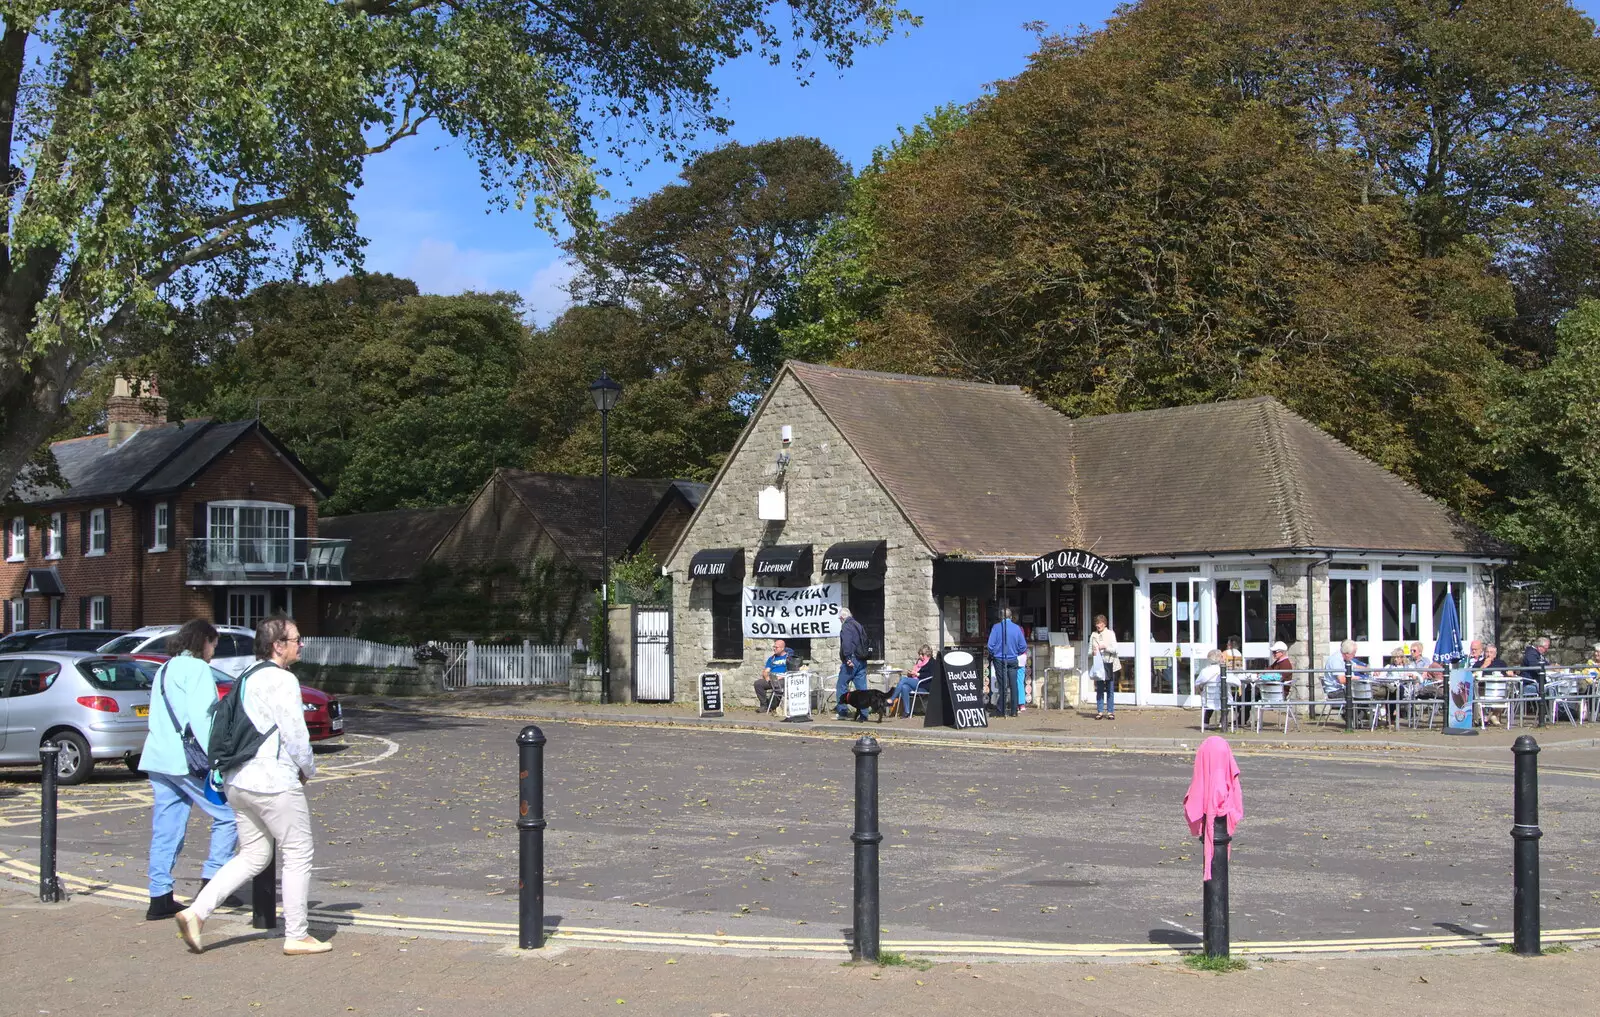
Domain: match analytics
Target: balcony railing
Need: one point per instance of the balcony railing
(239, 561)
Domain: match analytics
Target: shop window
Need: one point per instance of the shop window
(1242, 611)
(1400, 614)
(1347, 609)
(866, 603)
(727, 633)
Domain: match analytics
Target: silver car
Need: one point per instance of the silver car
(96, 706)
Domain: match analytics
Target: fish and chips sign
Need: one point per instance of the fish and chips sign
(1072, 563)
(801, 612)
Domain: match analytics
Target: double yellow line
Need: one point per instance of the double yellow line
(828, 947)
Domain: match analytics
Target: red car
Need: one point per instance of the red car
(324, 716)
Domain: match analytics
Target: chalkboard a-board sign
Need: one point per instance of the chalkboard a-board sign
(797, 698)
(956, 699)
(710, 693)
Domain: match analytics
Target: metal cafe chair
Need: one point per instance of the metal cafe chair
(1211, 699)
(1272, 697)
(1563, 696)
(1495, 695)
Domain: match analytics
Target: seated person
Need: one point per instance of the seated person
(1333, 669)
(1210, 675)
(772, 674)
(916, 678)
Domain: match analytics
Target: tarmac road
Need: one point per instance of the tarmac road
(748, 833)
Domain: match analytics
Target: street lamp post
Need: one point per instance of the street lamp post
(605, 391)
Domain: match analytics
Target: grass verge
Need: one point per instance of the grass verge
(890, 959)
(1218, 965)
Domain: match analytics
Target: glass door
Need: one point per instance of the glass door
(1179, 637)
(1243, 615)
(1115, 601)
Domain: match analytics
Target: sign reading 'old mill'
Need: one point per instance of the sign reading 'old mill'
(1072, 563)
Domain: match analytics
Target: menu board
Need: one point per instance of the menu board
(710, 693)
(1068, 601)
(956, 698)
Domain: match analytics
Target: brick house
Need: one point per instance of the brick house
(160, 522)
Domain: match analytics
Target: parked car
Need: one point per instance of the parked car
(324, 715)
(57, 639)
(95, 706)
(236, 646)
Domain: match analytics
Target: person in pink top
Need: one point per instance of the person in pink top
(1214, 791)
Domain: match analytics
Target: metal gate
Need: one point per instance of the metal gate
(652, 654)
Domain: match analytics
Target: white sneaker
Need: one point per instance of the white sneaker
(304, 947)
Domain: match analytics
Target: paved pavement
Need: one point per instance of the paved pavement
(745, 833)
(79, 959)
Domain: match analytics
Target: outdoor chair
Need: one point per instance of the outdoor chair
(920, 695)
(1211, 699)
(1563, 696)
(1496, 696)
(1272, 696)
(1419, 696)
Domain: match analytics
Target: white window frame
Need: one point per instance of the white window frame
(55, 536)
(162, 526)
(97, 613)
(97, 531)
(17, 539)
(19, 619)
(269, 553)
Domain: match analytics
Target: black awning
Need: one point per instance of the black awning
(44, 582)
(783, 561)
(952, 578)
(717, 563)
(856, 556)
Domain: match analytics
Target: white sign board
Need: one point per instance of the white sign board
(797, 696)
(800, 612)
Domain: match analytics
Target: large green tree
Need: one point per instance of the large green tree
(678, 300)
(155, 148)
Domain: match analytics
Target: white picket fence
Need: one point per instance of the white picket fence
(470, 665)
(345, 650)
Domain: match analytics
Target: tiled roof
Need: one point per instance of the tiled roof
(392, 545)
(153, 461)
(569, 508)
(986, 470)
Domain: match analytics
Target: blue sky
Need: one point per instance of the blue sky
(426, 218)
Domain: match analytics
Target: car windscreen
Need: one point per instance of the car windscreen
(123, 644)
(18, 641)
(118, 675)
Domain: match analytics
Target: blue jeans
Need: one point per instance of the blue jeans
(1105, 695)
(169, 820)
(852, 671)
(903, 692)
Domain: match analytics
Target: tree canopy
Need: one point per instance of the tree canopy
(157, 149)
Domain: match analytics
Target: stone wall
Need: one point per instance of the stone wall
(1572, 636)
(832, 496)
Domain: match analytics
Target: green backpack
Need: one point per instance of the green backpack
(234, 738)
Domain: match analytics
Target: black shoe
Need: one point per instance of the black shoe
(162, 908)
(231, 901)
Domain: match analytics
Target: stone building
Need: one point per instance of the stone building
(927, 500)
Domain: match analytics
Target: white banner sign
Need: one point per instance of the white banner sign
(804, 612)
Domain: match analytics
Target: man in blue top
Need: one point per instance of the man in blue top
(852, 662)
(1006, 645)
(184, 691)
(772, 675)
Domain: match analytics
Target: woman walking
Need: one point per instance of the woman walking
(268, 792)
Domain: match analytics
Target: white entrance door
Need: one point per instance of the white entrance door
(1180, 636)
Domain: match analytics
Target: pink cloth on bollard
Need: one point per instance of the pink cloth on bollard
(1214, 791)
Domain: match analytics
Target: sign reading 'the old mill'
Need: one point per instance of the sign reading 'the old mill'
(1073, 563)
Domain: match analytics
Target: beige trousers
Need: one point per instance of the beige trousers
(264, 820)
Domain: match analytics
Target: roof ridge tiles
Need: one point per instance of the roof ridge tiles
(1284, 466)
(922, 379)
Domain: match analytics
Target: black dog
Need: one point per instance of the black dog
(862, 700)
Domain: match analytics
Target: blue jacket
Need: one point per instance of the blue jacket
(1006, 641)
(852, 640)
(186, 682)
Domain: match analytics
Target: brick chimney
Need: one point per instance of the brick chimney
(135, 404)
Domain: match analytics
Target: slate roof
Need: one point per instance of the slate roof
(155, 460)
(569, 509)
(988, 471)
(393, 544)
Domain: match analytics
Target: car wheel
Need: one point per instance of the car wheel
(73, 763)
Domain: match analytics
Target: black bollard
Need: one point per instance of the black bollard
(264, 896)
(1216, 892)
(866, 839)
(1525, 839)
(1349, 697)
(49, 885)
(530, 831)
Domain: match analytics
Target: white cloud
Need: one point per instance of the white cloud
(546, 293)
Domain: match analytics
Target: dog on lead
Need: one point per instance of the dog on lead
(862, 700)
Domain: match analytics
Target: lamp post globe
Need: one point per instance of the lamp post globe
(605, 391)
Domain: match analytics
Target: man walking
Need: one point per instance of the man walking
(852, 662)
(773, 673)
(180, 700)
(1006, 645)
(268, 792)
